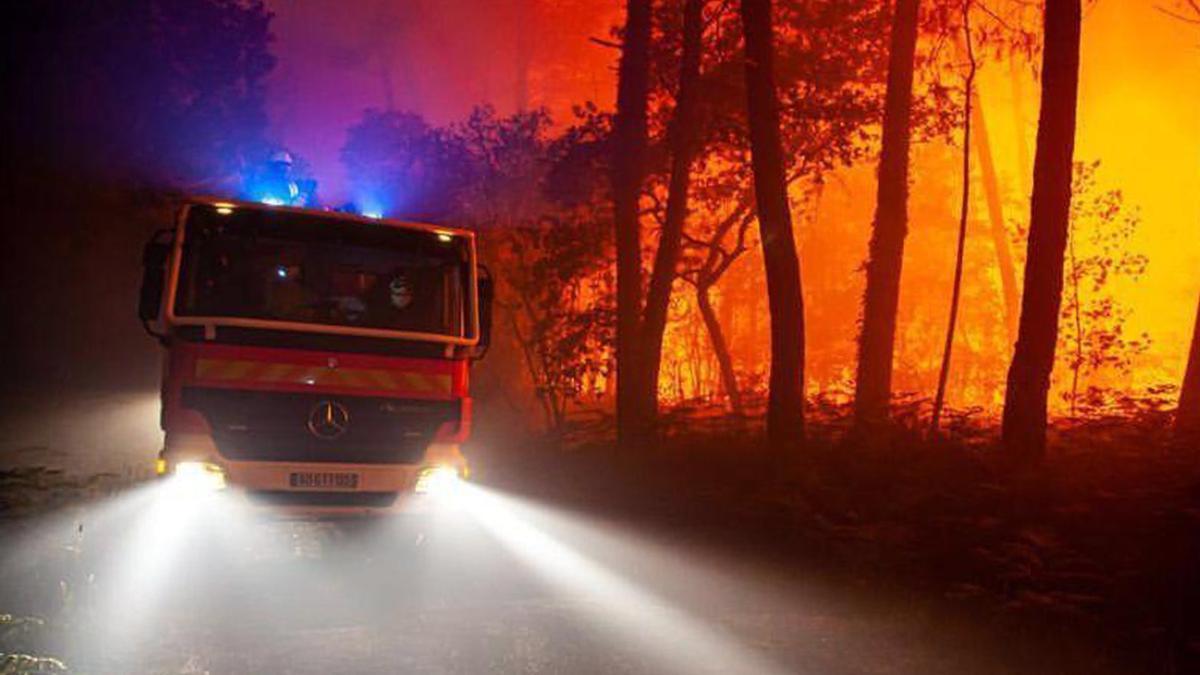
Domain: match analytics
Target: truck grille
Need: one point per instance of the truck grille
(376, 500)
(274, 426)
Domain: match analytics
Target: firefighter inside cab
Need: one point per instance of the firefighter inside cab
(314, 361)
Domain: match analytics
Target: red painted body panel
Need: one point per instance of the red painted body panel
(293, 370)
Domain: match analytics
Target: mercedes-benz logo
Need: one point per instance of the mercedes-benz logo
(328, 419)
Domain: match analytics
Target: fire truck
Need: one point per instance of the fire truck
(315, 361)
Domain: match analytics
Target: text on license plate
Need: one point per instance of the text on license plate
(323, 480)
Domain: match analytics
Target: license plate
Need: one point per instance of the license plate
(323, 480)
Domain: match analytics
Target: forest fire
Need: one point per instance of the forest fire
(1137, 331)
(855, 336)
(1116, 343)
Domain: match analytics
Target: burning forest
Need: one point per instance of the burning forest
(686, 323)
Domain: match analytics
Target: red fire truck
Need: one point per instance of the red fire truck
(317, 361)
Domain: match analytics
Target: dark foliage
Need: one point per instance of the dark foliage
(398, 163)
(168, 92)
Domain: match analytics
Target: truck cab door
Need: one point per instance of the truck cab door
(487, 295)
(154, 274)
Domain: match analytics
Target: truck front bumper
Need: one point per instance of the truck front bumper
(319, 489)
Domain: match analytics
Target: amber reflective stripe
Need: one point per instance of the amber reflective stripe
(383, 379)
(427, 383)
(278, 372)
(353, 378)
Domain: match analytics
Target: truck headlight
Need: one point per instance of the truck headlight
(199, 476)
(438, 480)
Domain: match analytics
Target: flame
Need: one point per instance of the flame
(1139, 115)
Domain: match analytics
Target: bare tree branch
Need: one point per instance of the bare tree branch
(605, 43)
(1195, 21)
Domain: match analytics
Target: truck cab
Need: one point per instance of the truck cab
(315, 361)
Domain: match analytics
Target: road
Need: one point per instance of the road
(152, 579)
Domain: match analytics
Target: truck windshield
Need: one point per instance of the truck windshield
(280, 266)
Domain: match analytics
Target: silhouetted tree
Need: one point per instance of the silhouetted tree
(102, 99)
(1187, 11)
(681, 140)
(1024, 424)
(829, 79)
(628, 172)
(1187, 420)
(939, 397)
(716, 260)
(167, 92)
(555, 298)
(995, 208)
(543, 201)
(400, 165)
(1010, 32)
(829, 82)
(873, 382)
(785, 405)
(1017, 108)
(1100, 254)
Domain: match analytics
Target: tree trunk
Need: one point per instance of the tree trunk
(1018, 117)
(682, 139)
(1187, 419)
(1024, 426)
(939, 398)
(535, 375)
(1077, 315)
(628, 171)
(991, 191)
(724, 359)
(728, 311)
(785, 403)
(885, 258)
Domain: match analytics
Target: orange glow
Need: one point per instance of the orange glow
(1139, 115)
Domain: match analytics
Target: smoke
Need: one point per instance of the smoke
(438, 59)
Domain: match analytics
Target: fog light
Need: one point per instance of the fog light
(199, 476)
(438, 480)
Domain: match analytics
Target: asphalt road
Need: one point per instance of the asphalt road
(153, 579)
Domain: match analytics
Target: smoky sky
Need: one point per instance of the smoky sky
(437, 58)
(115, 107)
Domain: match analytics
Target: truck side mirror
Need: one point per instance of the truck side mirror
(487, 293)
(154, 263)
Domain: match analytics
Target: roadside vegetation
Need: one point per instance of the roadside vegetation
(1099, 547)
